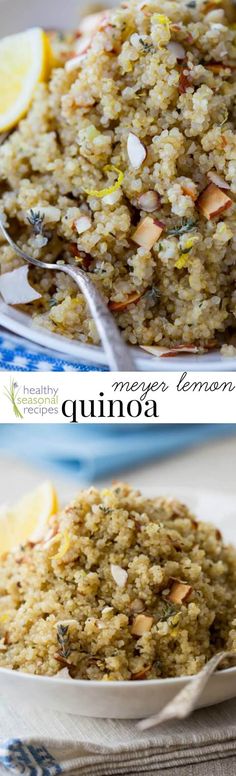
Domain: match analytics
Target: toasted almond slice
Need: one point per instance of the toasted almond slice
(83, 44)
(136, 151)
(179, 592)
(154, 350)
(159, 352)
(15, 287)
(189, 189)
(213, 201)
(140, 674)
(175, 48)
(180, 349)
(87, 29)
(117, 307)
(216, 67)
(218, 534)
(148, 232)
(149, 201)
(184, 82)
(63, 674)
(75, 62)
(119, 575)
(141, 624)
(215, 178)
(91, 22)
(62, 660)
(82, 224)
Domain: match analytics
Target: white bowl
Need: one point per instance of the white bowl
(129, 700)
(17, 15)
(15, 321)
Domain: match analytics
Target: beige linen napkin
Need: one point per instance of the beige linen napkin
(45, 743)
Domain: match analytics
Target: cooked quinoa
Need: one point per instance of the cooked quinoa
(121, 587)
(160, 74)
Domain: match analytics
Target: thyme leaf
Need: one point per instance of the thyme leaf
(187, 226)
(153, 293)
(36, 219)
(63, 640)
(105, 510)
(147, 47)
(168, 610)
(52, 302)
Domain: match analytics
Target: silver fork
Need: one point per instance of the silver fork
(118, 355)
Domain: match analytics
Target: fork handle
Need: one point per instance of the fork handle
(118, 355)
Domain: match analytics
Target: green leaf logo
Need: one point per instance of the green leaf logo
(11, 393)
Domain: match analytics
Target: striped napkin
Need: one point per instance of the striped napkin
(20, 355)
(43, 743)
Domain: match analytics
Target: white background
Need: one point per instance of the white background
(172, 407)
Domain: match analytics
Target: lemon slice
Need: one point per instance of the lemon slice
(25, 60)
(28, 519)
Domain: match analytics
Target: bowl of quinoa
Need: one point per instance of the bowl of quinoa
(120, 591)
(125, 164)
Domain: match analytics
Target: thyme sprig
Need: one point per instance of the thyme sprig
(36, 220)
(187, 226)
(105, 510)
(153, 294)
(168, 610)
(149, 48)
(63, 640)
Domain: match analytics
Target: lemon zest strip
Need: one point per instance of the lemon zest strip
(110, 189)
(160, 18)
(4, 617)
(182, 261)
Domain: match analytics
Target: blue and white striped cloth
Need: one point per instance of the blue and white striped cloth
(19, 355)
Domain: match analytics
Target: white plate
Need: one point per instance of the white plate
(17, 15)
(129, 700)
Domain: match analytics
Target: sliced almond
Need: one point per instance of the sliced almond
(218, 534)
(140, 674)
(91, 22)
(149, 201)
(87, 29)
(213, 201)
(62, 660)
(82, 224)
(175, 48)
(82, 258)
(15, 287)
(179, 591)
(216, 67)
(119, 575)
(180, 349)
(148, 232)
(189, 189)
(136, 151)
(154, 350)
(184, 82)
(74, 63)
(63, 674)
(141, 624)
(215, 178)
(117, 307)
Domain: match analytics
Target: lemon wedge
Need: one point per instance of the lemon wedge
(28, 519)
(25, 60)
